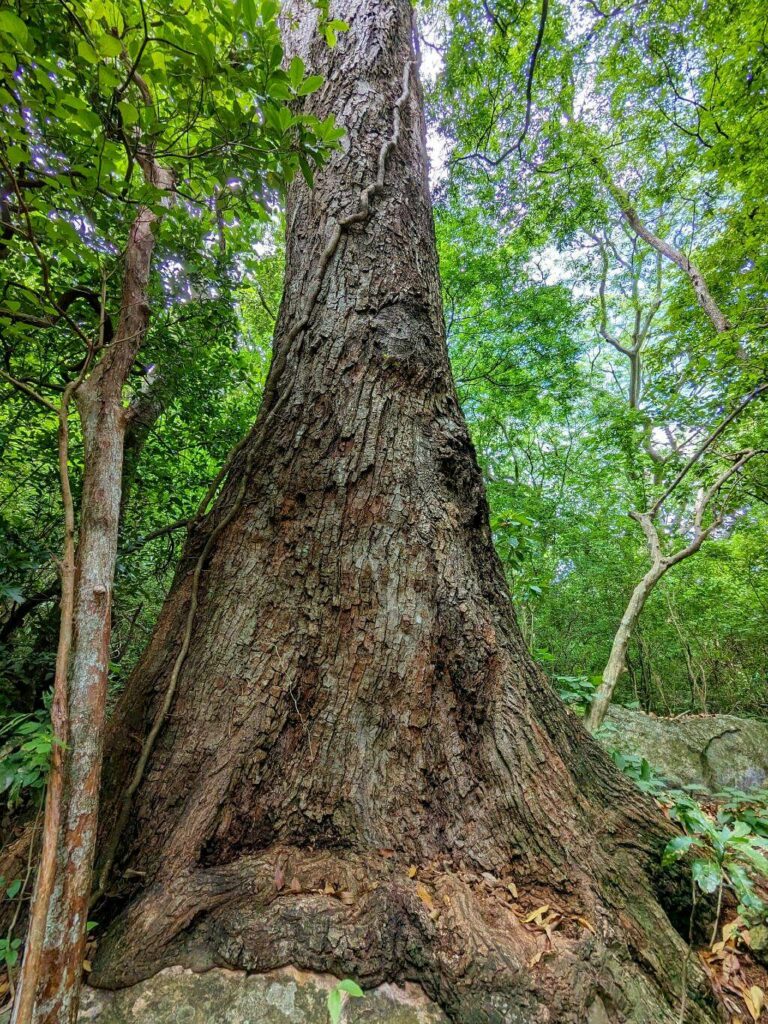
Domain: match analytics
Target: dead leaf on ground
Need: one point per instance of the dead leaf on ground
(754, 999)
(587, 924)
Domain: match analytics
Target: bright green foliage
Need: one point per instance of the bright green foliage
(668, 98)
(727, 848)
(9, 951)
(724, 836)
(88, 93)
(576, 691)
(26, 742)
(347, 986)
(668, 101)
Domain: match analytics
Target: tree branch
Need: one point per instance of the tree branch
(703, 295)
(707, 443)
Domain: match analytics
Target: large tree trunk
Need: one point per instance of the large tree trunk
(356, 697)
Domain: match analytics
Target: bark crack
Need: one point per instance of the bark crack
(362, 213)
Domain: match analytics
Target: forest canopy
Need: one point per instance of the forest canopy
(543, 281)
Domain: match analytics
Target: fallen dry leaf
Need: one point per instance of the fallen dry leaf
(754, 998)
(425, 896)
(539, 912)
(583, 921)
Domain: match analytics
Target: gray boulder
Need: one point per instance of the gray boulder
(287, 996)
(716, 751)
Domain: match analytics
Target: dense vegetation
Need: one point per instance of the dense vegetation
(674, 102)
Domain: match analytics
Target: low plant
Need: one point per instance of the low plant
(576, 691)
(336, 996)
(640, 771)
(26, 742)
(9, 951)
(729, 849)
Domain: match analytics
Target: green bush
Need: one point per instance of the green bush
(26, 742)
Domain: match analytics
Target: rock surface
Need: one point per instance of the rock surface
(287, 996)
(716, 751)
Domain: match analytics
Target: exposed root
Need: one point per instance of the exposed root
(485, 950)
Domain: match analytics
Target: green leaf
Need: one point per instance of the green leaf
(108, 78)
(676, 848)
(739, 829)
(87, 52)
(248, 9)
(307, 171)
(128, 112)
(12, 26)
(276, 56)
(310, 85)
(351, 988)
(754, 858)
(13, 889)
(268, 12)
(706, 874)
(296, 72)
(16, 155)
(109, 46)
(334, 1005)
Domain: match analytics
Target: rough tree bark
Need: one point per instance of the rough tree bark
(355, 697)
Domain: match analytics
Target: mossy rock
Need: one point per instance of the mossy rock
(715, 751)
(287, 996)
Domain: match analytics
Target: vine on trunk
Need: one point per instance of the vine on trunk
(362, 213)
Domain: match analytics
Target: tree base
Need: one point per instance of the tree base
(478, 951)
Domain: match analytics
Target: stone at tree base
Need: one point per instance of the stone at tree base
(287, 996)
(716, 751)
